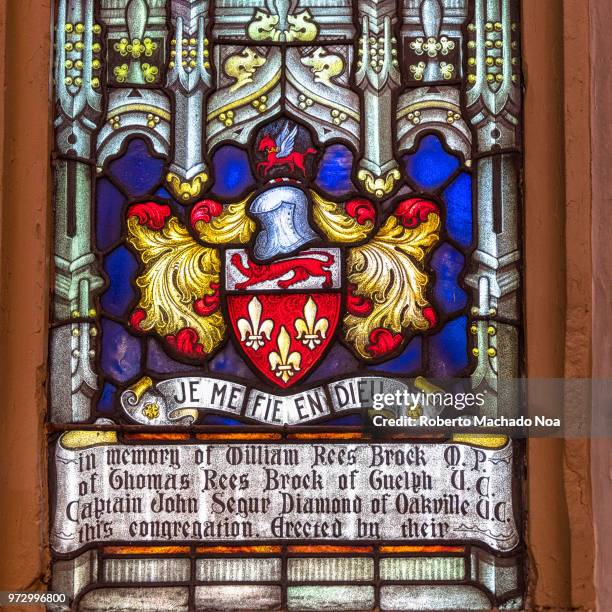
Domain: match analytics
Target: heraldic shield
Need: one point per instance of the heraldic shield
(283, 334)
(282, 329)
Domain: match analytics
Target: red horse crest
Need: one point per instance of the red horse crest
(281, 153)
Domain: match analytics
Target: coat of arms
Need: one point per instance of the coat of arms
(286, 271)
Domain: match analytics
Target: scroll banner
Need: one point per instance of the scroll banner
(108, 492)
(177, 401)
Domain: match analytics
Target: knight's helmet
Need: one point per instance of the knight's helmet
(283, 214)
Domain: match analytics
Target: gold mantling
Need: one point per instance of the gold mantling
(178, 271)
(232, 225)
(336, 223)
(385, 272)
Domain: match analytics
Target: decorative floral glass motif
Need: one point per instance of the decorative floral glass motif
(266, 212)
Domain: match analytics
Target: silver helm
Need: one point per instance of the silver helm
(283, 214)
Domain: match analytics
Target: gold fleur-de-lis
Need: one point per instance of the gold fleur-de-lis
(253, 331)
(310, 330)
(284, 363)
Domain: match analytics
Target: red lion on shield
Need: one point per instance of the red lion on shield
(302, 268)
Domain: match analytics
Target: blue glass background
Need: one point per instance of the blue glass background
(107, 398)
(407, 363)
(335, 170)
(228, 361)
(448, 349)
(109, 212)
(458, 199)
(136, 170)
(120, 265)
(121, 352)
(430, 166)
(447, 263)
(159, 362)
(231, 171)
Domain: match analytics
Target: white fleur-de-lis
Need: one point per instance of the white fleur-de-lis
(310, 330)
(284, 363)
(253, 331)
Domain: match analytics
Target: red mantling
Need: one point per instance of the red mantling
(205, 210)
(357, 305)
(361, 210)
(430, 314)
(186, 342)
(136, 318)
(151, 214)
(208, 304)
(382, 341)
(415, 211)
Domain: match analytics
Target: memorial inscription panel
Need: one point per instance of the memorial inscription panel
(245, 492)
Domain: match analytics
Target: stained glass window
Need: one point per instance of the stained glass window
(267, 214)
